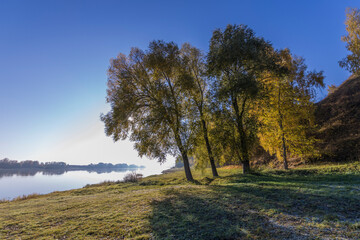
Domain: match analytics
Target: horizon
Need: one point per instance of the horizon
(55, 56)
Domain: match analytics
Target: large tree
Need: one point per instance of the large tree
(352, 61)
(286, 110)
(236, 58)
(197, 88)
(148, 104)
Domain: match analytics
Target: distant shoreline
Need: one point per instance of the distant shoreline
(7, 165)
(59, 171)
(70, 168)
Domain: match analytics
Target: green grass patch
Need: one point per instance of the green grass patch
(315, 202)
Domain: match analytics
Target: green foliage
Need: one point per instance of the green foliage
(236, 58)
(225, 134)
(197, 88)
(170, 101)
(352, 61)
(148, 104)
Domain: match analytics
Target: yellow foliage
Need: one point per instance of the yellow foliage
(285, 112)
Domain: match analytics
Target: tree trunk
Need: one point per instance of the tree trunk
(283, 145)
(244, 151)
(187, 167)
(185, 158)
(243, 140)
(246, 166)
(177, 135)
(284, 152)
(211, 157)
(282, 131)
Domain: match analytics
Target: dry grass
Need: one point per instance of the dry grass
(338, 116)
(232, 167)
(320, 202)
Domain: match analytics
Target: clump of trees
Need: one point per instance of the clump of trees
(214, 108)
(236, 59)
(14, 164)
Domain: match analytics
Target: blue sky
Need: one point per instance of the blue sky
(54, 56)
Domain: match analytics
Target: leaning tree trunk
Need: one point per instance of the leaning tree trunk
(208, 147)
(184, 158)
(178, 138)
(187, 167)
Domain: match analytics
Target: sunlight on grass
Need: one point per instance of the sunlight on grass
(270, 204)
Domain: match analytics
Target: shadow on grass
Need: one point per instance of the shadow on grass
(320, 196)
(245, 206)
(295, 176)
(207, 215)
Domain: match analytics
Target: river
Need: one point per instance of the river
(14, 184)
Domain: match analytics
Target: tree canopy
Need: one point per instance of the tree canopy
(236, 58)
(352, 61)
(214, 109)
(285, 111)
(148, 105)
(197, 88)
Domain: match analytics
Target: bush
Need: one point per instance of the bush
(132, 177)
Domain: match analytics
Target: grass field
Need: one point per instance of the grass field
(318, 202)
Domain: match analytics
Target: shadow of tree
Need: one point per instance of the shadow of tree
(318, 196)
(186, 214)
(245, 208)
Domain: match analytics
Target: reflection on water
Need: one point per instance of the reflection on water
(14, 183)
(28, 172)
(33, 172)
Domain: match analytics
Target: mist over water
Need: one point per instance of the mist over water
(19, 182)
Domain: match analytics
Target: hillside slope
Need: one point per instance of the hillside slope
(338, 116)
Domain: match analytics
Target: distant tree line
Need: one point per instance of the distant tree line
(14, 164)
(29, 164)
(110, 165)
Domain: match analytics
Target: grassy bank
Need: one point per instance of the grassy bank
(321, 202)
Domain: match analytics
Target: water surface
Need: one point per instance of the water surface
(19, 183)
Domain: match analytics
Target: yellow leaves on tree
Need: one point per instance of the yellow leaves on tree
(285, 110)
(352, 61)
